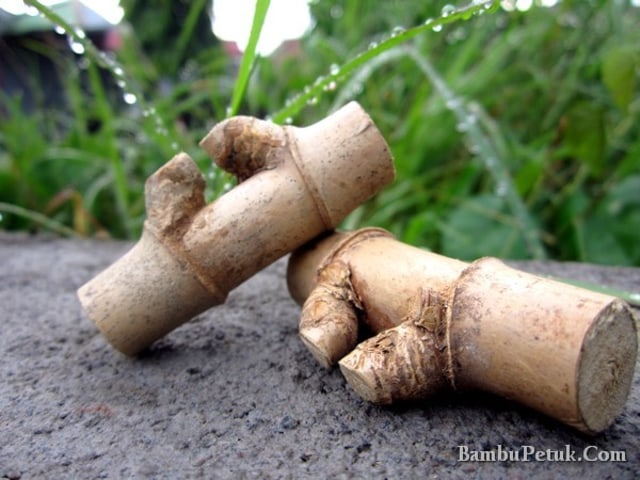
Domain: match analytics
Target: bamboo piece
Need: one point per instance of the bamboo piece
(562, 350)
(294, 184)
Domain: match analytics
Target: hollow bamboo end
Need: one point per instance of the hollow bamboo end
(606, 366)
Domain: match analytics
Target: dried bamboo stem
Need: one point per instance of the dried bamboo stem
(562, 350)
(295, 184)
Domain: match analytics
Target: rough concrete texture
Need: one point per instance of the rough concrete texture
(234, 394)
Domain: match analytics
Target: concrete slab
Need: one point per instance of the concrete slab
(234, 394)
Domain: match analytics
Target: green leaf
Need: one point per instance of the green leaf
(609, 232)
(600, 243)
(585, 135)
(481, 227)
(618, 71)
(621, 209)
(624, 194)
(196, 10)
(246, 66)
(421, 230)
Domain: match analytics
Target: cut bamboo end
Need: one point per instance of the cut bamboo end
(606, 366)
(328, 326)
(143, 296)
(364, 380)
(332, 339)
(314, 339)
(399, 364)
(560, 349)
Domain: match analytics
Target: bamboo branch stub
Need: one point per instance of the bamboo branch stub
(562, 350)
(295, 183)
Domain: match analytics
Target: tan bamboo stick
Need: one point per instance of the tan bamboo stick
(562, 350)
(294, 184)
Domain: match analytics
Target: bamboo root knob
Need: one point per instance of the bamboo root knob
(398, 364)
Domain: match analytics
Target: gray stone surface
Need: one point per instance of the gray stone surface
(233, 394)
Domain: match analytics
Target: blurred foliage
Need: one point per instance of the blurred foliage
(168, 32)
(538, 138)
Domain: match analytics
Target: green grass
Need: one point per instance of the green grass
(249, 56)
(514, 134)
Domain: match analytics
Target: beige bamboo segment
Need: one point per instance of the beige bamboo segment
(295, 184)
(562, 350)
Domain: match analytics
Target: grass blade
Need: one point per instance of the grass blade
(632, 298)
(38, 219)
(487, 151)
(195, 10)
(249, 56)
(109, 63)
(398, 37)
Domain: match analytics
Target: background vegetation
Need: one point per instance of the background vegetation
(515, 134)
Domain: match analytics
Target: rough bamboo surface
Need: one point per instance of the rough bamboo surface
(441, 323)
(294, 184)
